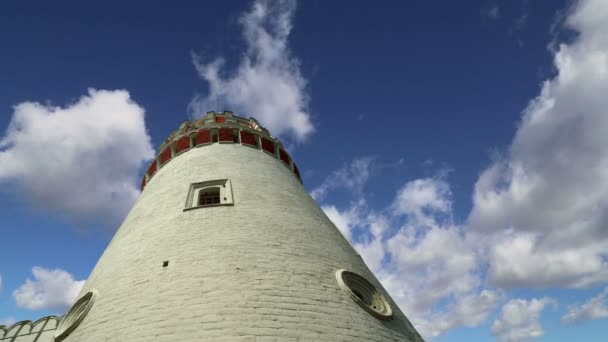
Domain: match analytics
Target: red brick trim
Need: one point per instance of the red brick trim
(203, 137)
(247, 138)
(226, 134)
(165, 155)
(183, 144)
(222, 135)
(267, 146)
(152, 169)
(283, 156)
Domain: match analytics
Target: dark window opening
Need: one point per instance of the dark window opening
(209, 196)
(165, 263)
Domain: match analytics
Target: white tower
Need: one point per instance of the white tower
(225, 244)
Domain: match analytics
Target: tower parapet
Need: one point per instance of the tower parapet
(222, 128)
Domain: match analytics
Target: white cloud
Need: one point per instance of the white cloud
(421, 197)
(352, 176)
(267, 84)
(547, 200)
(0, 283)
(469, 311)
(344, 220)
(51, 289)
(81, 160)
(425, 261)
(519, 320)
(434, 269)
(594, 308)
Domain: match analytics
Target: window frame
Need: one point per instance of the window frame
(225, 189)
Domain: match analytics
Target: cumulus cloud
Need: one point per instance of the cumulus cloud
(422, 258)
(519, 320)
(267, 84)
(80, 160)
(594, 308)
(547, 199)
(51, 289)
(422, 197)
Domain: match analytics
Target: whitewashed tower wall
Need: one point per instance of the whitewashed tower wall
(261, 269)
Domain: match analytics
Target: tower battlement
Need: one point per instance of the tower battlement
(222, 128)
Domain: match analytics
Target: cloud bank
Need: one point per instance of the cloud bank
(51, 289)
(267, 84)
(547, 200)
(413, 246)
(81, 160)
(539, 213)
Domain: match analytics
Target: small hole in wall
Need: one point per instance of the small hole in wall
(165, 263)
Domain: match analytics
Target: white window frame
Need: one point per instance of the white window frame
(196, 188)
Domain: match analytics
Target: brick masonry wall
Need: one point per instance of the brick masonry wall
(261, 270)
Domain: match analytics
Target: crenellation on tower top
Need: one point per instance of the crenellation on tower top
(215, 127)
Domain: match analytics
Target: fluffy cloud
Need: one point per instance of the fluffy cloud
(421, 197)
(547, 199)
(344, 220)
(80, 160)
(594, 308)
(519, 320)
(421, 257)
(54, 290)
(267, 84)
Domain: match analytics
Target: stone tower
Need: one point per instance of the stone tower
(225, 244)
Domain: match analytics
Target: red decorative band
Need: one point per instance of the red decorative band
(283, 155)
(203, 137)
(183, 144)
(165, 155)
(267, 146)
(152, 169)
(226, 134)
(247, 138)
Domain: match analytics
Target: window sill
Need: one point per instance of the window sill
(209, 206)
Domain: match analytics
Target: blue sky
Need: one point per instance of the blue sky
(461, 147)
